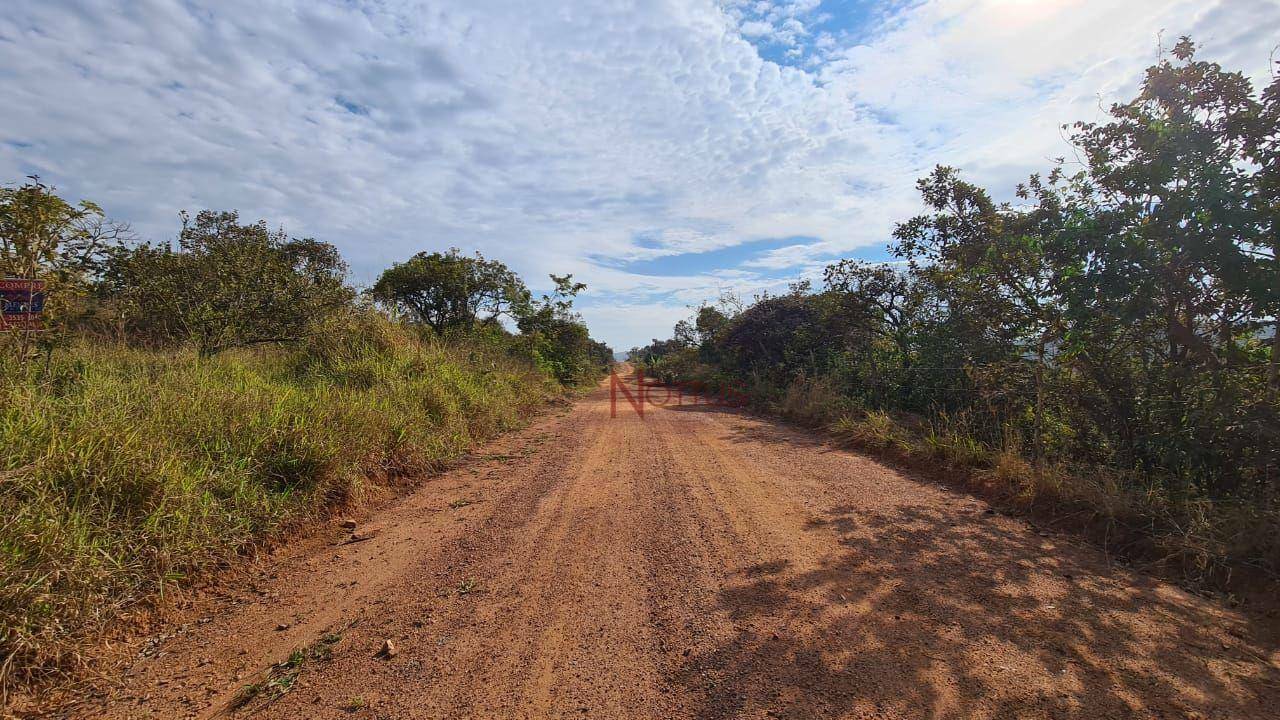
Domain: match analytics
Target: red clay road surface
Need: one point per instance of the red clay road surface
(697, 563)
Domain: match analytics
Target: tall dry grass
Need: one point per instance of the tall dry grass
(123, 471)
(1215, 544)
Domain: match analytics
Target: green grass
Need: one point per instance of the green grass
(124, 471)
(281, 677)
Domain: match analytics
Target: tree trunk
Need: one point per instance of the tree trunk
(1038, 447)
(1275, 356)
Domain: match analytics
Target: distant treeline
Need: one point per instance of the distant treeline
(1115, 327)
(225, 284)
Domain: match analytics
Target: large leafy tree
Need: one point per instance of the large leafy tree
(1176, 238)
(46, 238)
(225, 285)
(988, 263)
(451, 290)
(1264, 150)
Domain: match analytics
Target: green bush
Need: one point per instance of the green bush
(225, 285)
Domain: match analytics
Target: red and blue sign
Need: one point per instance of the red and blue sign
(23, 304)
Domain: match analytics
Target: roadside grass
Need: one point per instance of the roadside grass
(1225, 545)
(281, 677)
(1221, 545)
(125, 471)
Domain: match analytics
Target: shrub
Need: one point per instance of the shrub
(226, 285)
(816, 401)
(876, 430)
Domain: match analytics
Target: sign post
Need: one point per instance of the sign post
(23, 304)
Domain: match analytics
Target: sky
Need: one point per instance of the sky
(664, 152)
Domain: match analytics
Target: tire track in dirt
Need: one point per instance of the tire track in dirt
(326, 584)
(704, 563)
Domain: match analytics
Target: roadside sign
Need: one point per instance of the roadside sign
(23, 303)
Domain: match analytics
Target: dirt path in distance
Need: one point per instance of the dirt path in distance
(699, 562)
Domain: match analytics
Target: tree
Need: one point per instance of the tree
(556, 334)
(709, 322)
(685, 334)
(600, 354)
(1173, 174)
(1175, 270)
(1263, 149)
(871, 301)
(226, 285)
(777, 336)
(450, 290)
(43, 237)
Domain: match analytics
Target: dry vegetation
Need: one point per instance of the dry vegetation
(129, 469)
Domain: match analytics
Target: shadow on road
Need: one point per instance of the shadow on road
(925, 613)
(768, 431)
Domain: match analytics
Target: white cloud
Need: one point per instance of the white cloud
(549, 136)
(755, 28)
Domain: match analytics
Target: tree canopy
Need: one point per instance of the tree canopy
(451, 290)
(225, 285)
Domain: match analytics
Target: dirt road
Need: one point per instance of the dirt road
(697, 563)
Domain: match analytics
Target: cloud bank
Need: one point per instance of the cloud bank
(660, 151)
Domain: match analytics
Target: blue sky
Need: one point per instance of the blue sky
(664, 151)
(705, 261)
(805, 33)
